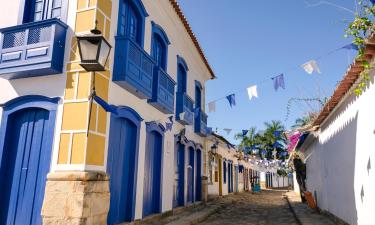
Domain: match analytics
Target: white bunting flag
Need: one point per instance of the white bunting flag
(227, 130)
(212, 106)
(252, 92)
(311, 66)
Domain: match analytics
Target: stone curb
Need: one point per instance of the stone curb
(197, 217)
(292, 210)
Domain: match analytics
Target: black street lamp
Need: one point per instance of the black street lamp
(94, 51)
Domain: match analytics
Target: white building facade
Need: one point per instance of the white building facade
(339, 155)
(113, 159)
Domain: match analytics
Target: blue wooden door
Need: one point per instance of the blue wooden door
(236, 177)
(152, 174)
(231, 177)
(190, 176)
(179, 176)
(24, 167)
(122, 170)
(198, 188)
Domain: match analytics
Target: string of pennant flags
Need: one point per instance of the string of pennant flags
(252, 91)
(309, 67)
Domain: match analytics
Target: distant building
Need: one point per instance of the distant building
(104, 167)
(228, 169)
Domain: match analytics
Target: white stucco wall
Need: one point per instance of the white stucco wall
(10, 12)
(162, 13)
(339, 161)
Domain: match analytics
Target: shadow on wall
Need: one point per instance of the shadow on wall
(339, 154)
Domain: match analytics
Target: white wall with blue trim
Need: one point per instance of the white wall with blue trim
(162, 13)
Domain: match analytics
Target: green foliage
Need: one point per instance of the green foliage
(265, 140)
(359, 29)
(282, 172)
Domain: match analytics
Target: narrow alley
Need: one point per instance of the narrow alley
(268, 207)
(264, 208)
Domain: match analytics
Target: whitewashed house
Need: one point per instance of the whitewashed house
(228, 169)
(339, 155)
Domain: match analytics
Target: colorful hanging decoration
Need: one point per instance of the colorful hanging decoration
(212, 106)
(232, 100)
(351, 46)
(252, 92)
(227, 130)
(277, 133)
(311, 66)
(278, 82)
(244, 132)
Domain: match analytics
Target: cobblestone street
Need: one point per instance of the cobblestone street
(264, 208)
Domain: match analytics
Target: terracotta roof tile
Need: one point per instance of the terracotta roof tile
(351, 76)
(191, 34)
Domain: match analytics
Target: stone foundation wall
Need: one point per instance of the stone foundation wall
(76, 198)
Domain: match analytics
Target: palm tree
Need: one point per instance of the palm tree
(250, 139)
(301, 122)
(272, 134)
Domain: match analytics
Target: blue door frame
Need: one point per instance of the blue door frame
(26, 137)
(198, 189)
(190, 176)
(180, 169)
(122, 164)
(152, 194)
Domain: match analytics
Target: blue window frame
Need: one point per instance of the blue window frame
(131, 20)
(198, 94)
(37, 10)
(159, 46)
(182, 69)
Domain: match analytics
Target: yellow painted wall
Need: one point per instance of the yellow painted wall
(83, 134)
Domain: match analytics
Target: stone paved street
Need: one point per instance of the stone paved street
(265, 208)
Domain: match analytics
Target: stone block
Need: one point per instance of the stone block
(78, 198)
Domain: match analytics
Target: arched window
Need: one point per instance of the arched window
(198, 95)
(159, 46)
(131, 20)
(181, 75)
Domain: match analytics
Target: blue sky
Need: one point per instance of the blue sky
(247, 42)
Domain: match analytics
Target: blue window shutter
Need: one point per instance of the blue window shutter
(133, 25)
(158, 52)
(181, 76)
(37, 10)
(122, 19)
(56, 6)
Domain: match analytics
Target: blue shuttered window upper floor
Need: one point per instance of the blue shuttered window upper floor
(37, 10)
(131, 20)
(184, 104)
(200, 124)
(163, 85)
(36, 47)
(133, 66)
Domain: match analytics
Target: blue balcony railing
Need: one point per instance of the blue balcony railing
(32, 49)
(133, 68)
(163, 91)
(200, 126)
(184, 109)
